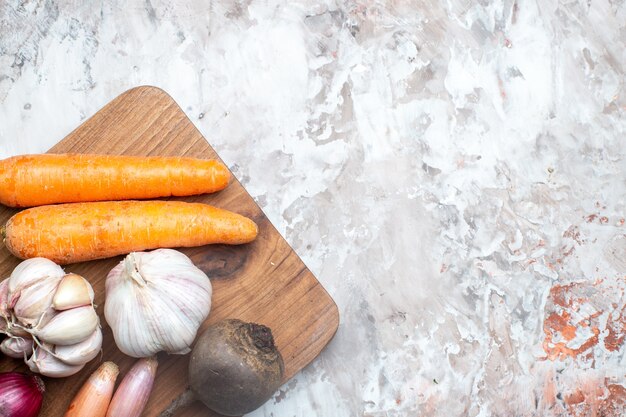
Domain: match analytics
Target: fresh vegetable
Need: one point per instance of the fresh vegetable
(21, 395)
(26, 274)
(131, 396)
(4, 304)
(17, 347)
(31, 302)
(156, 301)
(81, 352)
(73, 291)
(68, 233)
(235, 368)
(69, 327)
(95, 395)
(35, 180)
(45, 363)
(49, 318)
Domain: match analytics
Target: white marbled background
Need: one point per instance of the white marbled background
(454, 172)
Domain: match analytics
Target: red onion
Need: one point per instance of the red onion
(21, 394)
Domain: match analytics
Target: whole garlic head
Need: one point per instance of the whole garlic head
(156, 301)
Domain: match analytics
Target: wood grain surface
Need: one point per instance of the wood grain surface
(264, 281)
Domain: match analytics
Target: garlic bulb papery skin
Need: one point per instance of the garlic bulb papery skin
(156, 301)
(17, 347)
(4, 300)
(36, 330)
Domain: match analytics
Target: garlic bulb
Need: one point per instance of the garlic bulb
(156, 301)
(49, 317)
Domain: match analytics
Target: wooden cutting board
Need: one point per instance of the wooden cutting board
(264, 281)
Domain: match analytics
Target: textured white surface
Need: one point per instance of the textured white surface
(446, 168)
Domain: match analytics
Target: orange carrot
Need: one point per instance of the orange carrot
(95, 395)
(35, 180)
(76, 232)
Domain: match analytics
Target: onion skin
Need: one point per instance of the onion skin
(21, 395)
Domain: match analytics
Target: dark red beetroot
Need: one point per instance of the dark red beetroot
(234, 369)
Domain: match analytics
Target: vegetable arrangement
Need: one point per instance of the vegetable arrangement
(85, 207)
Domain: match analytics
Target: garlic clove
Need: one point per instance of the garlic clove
(34, 300)
(15, 330)
(4, 298)
(17, 347)
(69, 327)
(44, 363)
(73, 291)
(81, 352)
(5, 314)
(29, 272)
